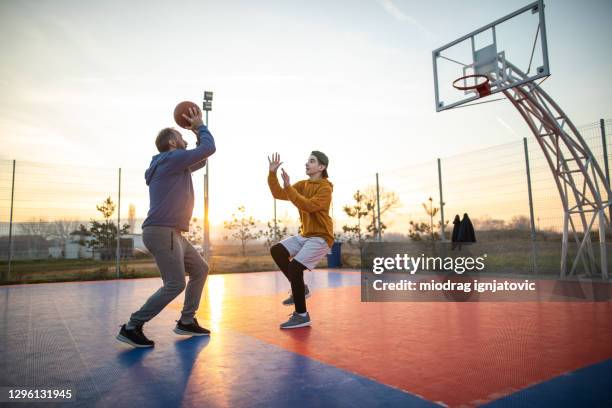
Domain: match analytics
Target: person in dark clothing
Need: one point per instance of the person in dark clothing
(463, 231)
(455, 235)
(466, 230)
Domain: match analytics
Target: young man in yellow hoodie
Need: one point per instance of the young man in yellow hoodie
(295, 254)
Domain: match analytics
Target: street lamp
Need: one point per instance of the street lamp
(206, 107)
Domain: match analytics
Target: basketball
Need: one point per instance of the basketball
(181, 108)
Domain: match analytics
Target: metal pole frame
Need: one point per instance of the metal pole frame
(604, 143)
(118, 251)
(205, 233)
(441, 200)
(378, 209)
(531, 212)
(10, 241)
(574, 168)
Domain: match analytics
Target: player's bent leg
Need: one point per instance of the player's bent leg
(197, 269)
(164, 245)
(299, 318)
(281, 256)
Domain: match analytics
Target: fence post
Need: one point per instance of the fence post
(441, 199)
(378, 209)
(602, 126)
(531, 216)
(118, 252)
(10, 241)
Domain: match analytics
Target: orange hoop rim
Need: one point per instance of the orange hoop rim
(484, 84)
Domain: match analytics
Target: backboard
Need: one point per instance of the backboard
(508, 52)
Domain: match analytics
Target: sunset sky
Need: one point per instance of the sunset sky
(91, 83)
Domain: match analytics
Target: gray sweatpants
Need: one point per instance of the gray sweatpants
(175, 257)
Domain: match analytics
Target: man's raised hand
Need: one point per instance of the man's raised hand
(194, 118)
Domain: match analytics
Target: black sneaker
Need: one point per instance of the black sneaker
(193, 329)
(134, 337)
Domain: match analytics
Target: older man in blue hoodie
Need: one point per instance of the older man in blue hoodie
(171, 206)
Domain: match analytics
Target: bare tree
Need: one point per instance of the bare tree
(420, 231)
(489, 224)
(274, 233)
(243, 228)
(431, 212)
(35, 226)
(35, 229)
(61, 229)
(520, 222)
(366, 206)
(357, 210)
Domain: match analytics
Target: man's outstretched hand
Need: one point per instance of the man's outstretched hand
(194, 118)
(274, 162)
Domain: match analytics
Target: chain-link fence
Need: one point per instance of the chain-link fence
(490, 186)
(47, 211)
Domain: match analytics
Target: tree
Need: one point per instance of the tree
(81, 232)
(420, 231)
(242, 228)
(194, 236)
(358, 211)
(520, 222)
(105, 233)
(366, 207)
(62, 229)
(431, 211)
(35, 226)
(274, 233)
(489, 224)
(33, 229)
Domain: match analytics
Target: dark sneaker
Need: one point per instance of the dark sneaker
(289, 300)
(193, 329)
(134, 337)
(296, 321)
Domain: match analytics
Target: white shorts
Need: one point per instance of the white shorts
(307, 251)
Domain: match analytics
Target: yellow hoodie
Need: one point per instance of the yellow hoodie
(313, 199)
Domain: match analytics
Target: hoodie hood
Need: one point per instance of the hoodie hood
(326, 181)
(323, 181)
(155, 161)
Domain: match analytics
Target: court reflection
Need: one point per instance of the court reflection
(215, 290)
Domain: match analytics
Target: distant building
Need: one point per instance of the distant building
(38, 247)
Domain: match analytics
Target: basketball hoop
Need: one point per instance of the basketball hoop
(483, 88)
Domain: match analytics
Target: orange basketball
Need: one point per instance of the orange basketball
(181, 108)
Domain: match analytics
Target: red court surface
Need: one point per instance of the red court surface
(456, 354)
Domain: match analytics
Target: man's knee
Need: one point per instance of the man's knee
(175, 287)
(200, 271)
(279, 251)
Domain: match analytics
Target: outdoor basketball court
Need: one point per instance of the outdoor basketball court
(355, 354)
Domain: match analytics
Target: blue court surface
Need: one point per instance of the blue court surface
(62, 335)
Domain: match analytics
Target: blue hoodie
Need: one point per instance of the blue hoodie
(170, 186)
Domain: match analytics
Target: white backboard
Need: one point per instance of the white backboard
(509, 51)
